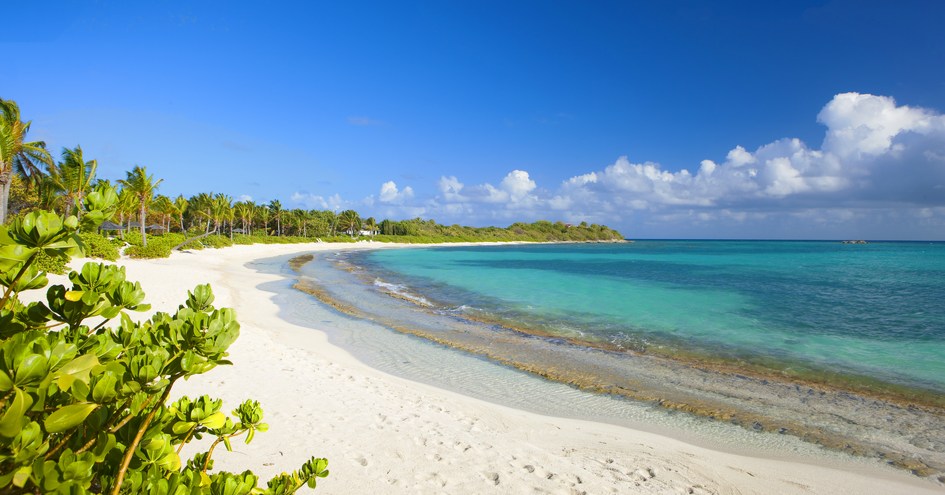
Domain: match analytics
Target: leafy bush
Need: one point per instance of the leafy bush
(84, 410)
(98, 246)
(159, 246)
(270, 239)
(152, 250)
(50, 263)
(216, 241)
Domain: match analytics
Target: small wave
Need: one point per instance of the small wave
(461, 309)
(400, 291)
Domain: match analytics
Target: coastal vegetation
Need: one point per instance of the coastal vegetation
(31, 180)
(84, 389)
(83, 407)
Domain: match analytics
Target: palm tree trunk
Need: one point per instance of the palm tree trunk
(5, 178)
(143, 213)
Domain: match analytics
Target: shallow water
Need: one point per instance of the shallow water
(565, 346)
(424, 361)
(873, 310)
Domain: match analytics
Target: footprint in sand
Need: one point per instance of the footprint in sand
(643, 474)
(360, 460)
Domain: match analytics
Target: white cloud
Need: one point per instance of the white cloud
(879, 162)
(390, 193)
(244, 197)
(514, 191)
(864, 124)
(518, 184)
(868, 139)
(451, 189)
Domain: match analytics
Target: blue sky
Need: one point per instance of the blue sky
(818, 119)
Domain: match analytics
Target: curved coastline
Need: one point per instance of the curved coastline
(383, 433)
(882, 425)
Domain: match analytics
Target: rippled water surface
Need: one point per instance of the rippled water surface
(874, 310)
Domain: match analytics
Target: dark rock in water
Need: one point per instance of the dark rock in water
(859, 241)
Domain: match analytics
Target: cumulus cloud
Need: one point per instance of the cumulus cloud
(872, 148)
(390, 193)
(878, 162)
(514, 190)
(451, 189)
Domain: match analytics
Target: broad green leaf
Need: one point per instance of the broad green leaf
(69, 417)
(182, 427)
(15, 252)
(5, 382)
(31, 369)
(15, 416)
(79, 390)
(170, 461)
(105, 388)
(77, 369)
(215, 420)
(22, 475)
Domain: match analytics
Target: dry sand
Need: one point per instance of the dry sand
(384, 434)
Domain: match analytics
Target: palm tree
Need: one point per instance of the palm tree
(46, 191)
(350, 221)
(370, 225)
(180, 205)
(125, 208)
(245, 210)
(332, 218)
(221, 209)
(73, 176)
(200, 208)
(276, 207)
(142, 186)
(302, 217)
(263, 214)
(17, 155)
(289, 218)
(164, 206)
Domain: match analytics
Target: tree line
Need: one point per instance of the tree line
(30, 179)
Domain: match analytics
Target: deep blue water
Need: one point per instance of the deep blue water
(876, 309)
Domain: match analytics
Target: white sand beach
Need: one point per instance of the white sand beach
(385, 434)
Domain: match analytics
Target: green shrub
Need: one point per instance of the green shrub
(216, 241)
(159, 246)
(98, 246)
(52, 264)
(152, 250)
(85, 410)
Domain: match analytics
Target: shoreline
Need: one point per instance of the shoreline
(382, 432)
(838, 419)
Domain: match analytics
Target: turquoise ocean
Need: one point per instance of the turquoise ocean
(874, 310)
